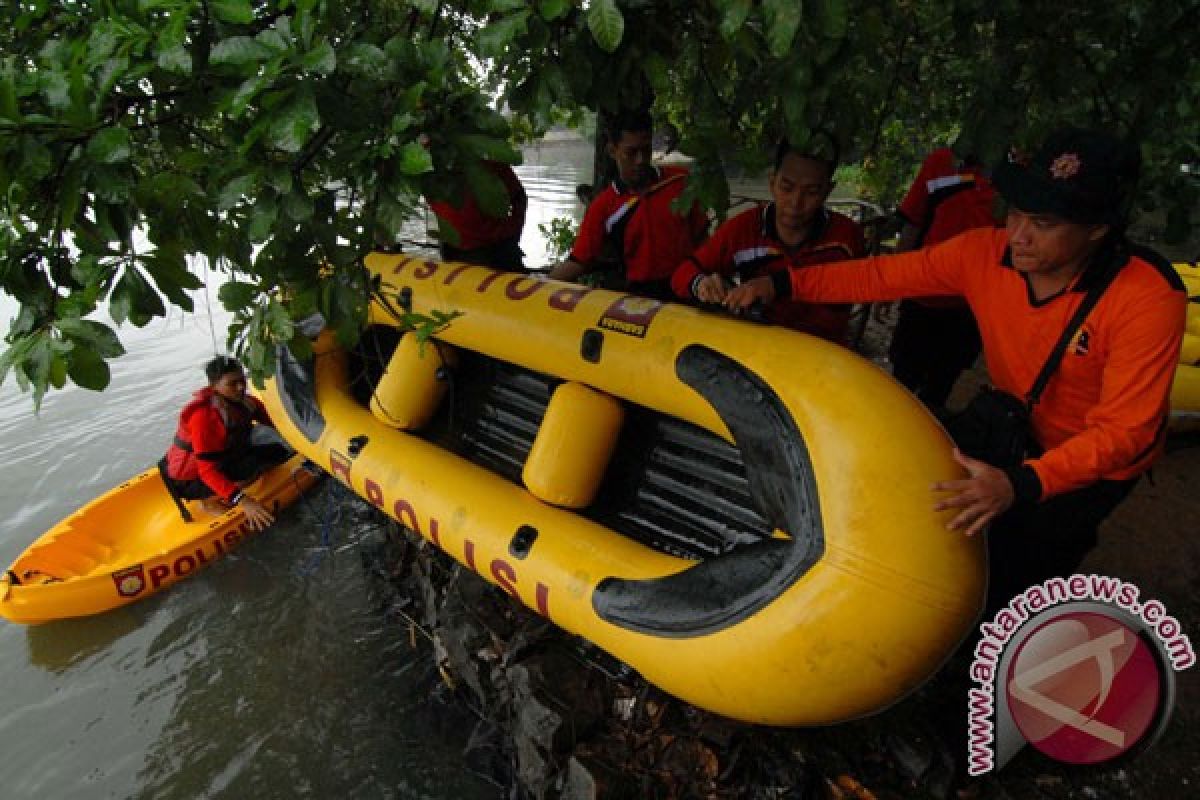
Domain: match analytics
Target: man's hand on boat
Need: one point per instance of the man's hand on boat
(257, 516)
(712, 288)
(755, 290)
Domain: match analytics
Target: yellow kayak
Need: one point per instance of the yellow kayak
(128, 544)
(613, 431)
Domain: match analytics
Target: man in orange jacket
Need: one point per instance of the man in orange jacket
(1101, 420)
(214, 452)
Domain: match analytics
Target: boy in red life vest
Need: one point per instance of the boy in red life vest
(1101, 420)
(936, 338)
(482, 239)
(631, 221)
(795, 230)
(214, 452)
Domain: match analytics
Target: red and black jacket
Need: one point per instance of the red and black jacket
(210, 430)
(748, 246)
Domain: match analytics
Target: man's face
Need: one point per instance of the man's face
(799, 188)
(231, 386)
(632, 155)
(1045, 243)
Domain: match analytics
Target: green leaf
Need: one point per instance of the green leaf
(88, 369)
(495, 37)
(273, 40)
(110, 145)
(8, 98)
(236, 295)
(95, 336)
(168, 267)
(245, 93)
(553, 9)
(321, 59)
(56, 89)
(238, 50)
(415, 159)
(239, 12)
(490, 192)
(488, 147)
(658, 71)
(176, 59)
(232, 193)
(296, 123)
(736, 13)
(424, 6)
(606, 24)
(447, 233)
(783, 20)
(366, 60)
(279, 322)
(832, 17)
(262, 220)
(134, 299)
(297, 206)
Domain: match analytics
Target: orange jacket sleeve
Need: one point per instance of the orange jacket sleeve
(931, 271)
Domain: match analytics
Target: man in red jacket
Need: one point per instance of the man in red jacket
(214, 452)
(936, 338)
(794, 230)
(483, 239)
(631, 224)
(1101, 421)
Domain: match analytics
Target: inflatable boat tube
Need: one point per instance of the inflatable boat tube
(129, 544)
(854, 595)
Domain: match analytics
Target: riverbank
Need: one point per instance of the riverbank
(553, 717)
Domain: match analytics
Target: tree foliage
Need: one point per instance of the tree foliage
(283, 139)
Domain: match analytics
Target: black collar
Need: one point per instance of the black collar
(771, 231)
(1112, 255)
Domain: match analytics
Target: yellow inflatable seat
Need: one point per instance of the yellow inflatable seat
(573, 446)
(413, 385)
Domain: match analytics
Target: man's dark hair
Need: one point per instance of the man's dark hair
(826, 152)
(221, 365)
(627, 122)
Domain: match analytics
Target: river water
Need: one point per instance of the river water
(273, 673)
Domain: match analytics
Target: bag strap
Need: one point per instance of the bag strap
(1060, 348)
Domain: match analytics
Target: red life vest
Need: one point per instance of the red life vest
(235, 418)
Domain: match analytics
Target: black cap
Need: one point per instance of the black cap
(1080, 175)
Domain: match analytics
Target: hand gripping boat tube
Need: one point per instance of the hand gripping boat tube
(855, 599)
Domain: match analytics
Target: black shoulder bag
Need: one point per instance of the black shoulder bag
(995, 426)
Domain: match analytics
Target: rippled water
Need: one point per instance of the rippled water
(270, 674)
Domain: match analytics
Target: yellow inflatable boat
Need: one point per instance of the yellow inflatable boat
(128, 544)
(1185, 391)
(740, 513)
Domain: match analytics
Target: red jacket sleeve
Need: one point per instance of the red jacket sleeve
(1124, 426)
(208, 440)
(715, 254)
